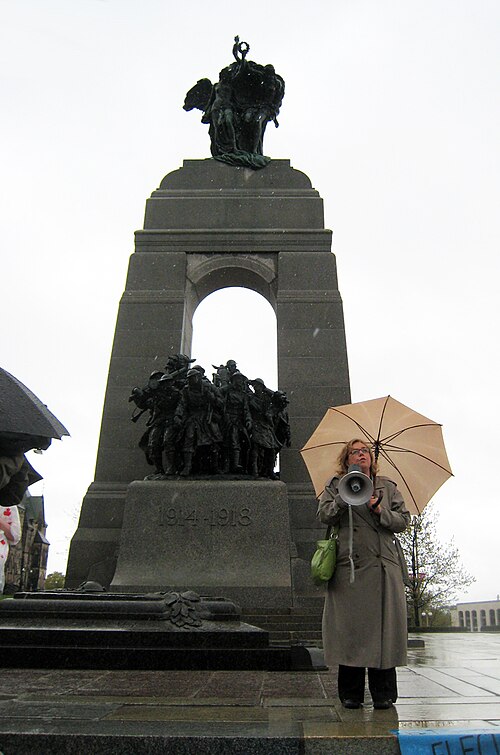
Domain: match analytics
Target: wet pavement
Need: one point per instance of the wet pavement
(454, 681)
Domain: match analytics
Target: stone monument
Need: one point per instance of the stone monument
(212, 224)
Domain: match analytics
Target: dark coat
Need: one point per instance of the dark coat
(364, 622)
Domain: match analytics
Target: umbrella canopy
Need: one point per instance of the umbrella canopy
(409, 447)
(22, 413)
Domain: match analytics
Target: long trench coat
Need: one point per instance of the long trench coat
(364, 621)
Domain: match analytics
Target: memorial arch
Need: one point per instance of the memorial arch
(209, 273)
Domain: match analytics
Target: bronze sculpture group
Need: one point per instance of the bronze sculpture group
(230, 425)
(238, 108)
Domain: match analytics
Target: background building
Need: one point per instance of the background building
(26, 565)
(477, 616)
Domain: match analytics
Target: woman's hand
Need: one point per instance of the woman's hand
(374, 503)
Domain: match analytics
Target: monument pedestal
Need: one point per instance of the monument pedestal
(219, 538)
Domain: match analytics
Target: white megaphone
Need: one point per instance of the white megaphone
(355, 487)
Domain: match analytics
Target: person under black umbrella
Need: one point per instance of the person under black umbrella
(25, 424)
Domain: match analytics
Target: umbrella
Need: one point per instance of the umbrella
(23, 415)
(409, 447)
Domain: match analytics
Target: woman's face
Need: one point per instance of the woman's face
(359, 454)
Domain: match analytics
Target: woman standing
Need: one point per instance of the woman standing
(364, 618)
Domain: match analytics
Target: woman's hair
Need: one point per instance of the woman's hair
(342, 463)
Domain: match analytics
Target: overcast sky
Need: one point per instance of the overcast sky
(391, 108)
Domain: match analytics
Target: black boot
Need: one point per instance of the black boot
(170, 463)
(236, 468)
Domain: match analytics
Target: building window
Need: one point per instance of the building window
(492, 617)
(461, 622)
(483, 617)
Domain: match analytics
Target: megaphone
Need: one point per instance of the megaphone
(355, 487)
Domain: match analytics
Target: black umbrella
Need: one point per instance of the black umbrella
(24, 420)
(25, 423)
(16, 475)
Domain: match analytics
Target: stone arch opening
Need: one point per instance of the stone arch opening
(237, 323)
(208, 273)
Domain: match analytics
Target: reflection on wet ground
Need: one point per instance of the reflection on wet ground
(446, 649)
(453, 681)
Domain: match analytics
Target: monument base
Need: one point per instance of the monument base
(82, 630)
(224, 537)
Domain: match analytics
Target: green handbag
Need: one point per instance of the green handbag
(325, 557)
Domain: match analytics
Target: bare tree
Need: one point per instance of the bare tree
(436, 571)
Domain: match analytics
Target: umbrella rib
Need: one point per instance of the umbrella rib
(388, 438)
(415, 453)
(393, 465)
(360, 427)
(323, 445)
(382, 419)
(342, 442)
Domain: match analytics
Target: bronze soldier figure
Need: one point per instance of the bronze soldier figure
(264, 441)
(236, 423)
(194, 417)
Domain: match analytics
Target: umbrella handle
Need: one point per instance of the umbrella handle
(377, 502)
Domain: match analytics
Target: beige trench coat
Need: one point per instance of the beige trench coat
(364, 622)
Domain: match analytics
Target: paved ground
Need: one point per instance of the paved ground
(453, 682)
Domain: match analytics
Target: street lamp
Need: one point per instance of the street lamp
(427, 615)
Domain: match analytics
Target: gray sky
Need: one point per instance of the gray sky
(392, 110)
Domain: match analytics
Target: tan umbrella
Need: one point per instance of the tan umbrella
(409, 447)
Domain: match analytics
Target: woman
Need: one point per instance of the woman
(364, 618)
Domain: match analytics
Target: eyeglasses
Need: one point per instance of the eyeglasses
(358, 451)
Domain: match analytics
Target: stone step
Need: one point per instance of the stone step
(288, 628)
(307, 628)
(118, 738)
(294, 634)
(288, 619)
